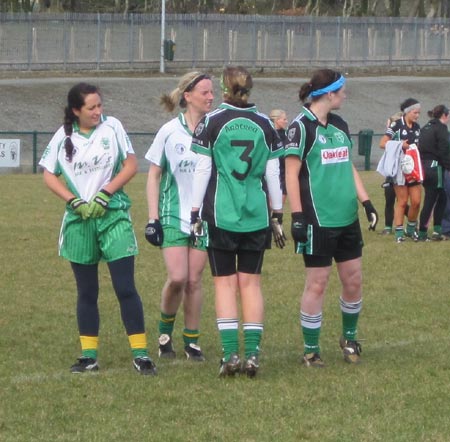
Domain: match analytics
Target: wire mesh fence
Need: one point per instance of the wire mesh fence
(32, 144)
(111, 42)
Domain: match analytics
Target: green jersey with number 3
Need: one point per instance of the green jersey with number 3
(240, 142)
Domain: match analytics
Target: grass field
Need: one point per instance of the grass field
(400, 392)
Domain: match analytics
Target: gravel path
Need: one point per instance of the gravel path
(37, 104)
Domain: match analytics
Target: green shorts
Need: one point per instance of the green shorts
(108, 238)
(174, 237)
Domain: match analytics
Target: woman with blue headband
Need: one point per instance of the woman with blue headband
(323, 189)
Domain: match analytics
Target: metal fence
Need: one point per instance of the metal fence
(106, 41)
(33, 143)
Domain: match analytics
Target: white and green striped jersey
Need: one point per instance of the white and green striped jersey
(171, 150)
(327, 185)
(240, 142)
(97, 158)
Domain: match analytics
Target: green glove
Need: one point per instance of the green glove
(99, 204)
(80, 207)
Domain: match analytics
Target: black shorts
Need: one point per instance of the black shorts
(328, 243)
(231, 252)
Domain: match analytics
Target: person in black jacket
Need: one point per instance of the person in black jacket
(434, 148)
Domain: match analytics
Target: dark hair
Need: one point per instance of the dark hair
(320, 79)
(75, 100)
(236, 83)
(408, 102)
(438, 111)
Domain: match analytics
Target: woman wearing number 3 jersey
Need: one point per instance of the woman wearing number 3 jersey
(237, 147)
(323, 189)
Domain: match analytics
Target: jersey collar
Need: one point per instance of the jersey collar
(183, 121)
(249, 108)
(76, 127)
(309, 114)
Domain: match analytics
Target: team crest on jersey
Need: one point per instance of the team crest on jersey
(291, 134)
(180, 149)
(404, 132)
(105, 143)
(199, 129)
(322, 139)
(339, 137)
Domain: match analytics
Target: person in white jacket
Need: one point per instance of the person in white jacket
(407, 130)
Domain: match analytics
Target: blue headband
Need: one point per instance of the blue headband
(333, 87)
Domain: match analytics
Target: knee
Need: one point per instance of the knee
(316, 288)
(402, 203)
(126, 292)
(176, 284)
(193, 286)
(352, 285)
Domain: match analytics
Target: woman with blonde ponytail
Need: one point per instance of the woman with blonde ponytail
(169, 197)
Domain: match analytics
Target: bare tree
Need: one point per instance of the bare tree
(393, 7)
(417, 9)
(313, 7)
(435, 9)
(348, 8)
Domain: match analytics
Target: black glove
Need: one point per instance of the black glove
(154, 233)
(276, 223)
(371, 213)
(196, 226)
(299, 228)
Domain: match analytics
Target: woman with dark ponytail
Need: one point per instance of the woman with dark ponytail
(434, 148)
(324, 188)
(93, 154)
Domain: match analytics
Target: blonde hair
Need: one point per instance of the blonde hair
(176, 96)
(276, 113)
(236, 83)
(396, 116)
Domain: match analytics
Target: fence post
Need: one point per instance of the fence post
(98, 40)
(35, 151)
(365, 146)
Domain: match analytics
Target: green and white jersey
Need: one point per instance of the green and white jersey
(171, 150)
(327, 186)
(97, 158)
(240, 142)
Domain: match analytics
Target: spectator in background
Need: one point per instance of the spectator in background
(405, 129)
(388, 186)
(446, 217)
(434, 148)
(280, 122)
